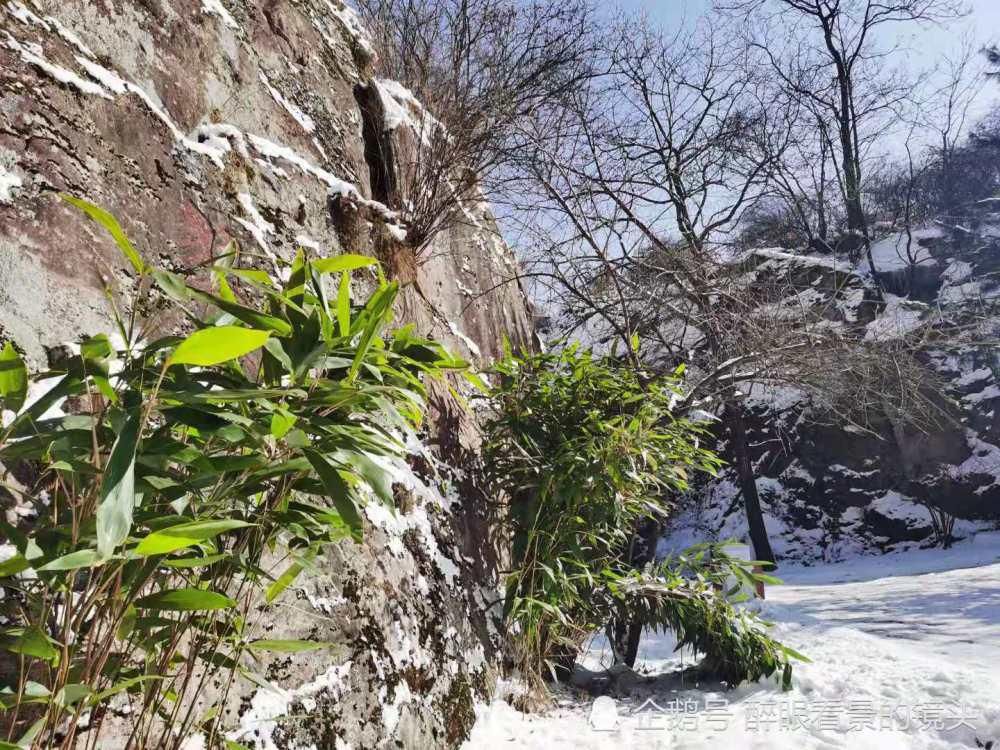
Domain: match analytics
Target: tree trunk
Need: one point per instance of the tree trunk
(626, 630)
(748, 484)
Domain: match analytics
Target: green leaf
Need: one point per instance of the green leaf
(185, 600)
(118, 499)
(377, 478)
(283, 581)
(71, 693)
(121, 687)
(13, 378)
(28, 738)
(211, 346)
(338, 491)
(345, 262)
(108, 221)
(195, 562)
(344, 305)
(30, 642)
(377, 309)
(13, 565)
(96, 347)
(127, 624)
(251, 275)
(286, 647)
(185, 535)
(795, 654)
(281, 422)
(84, 558)
(248, 315)
(477, 381)
(172, 285)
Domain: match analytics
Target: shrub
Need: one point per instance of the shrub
(191, 479)
(586, 448)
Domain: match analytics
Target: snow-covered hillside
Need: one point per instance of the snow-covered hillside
(831, 489)
(904, 650)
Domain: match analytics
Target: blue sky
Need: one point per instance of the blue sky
(923, 45)
(984, 21)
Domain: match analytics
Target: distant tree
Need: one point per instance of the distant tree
(831, 55)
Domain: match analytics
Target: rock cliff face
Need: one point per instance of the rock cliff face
(830, 489)
(198, 122)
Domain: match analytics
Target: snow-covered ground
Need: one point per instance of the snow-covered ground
(905, 653)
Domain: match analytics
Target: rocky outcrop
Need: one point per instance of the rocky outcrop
(830, 489)
(201, 122)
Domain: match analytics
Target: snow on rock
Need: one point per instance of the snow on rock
(256, 224)
(473, 347)
(259, 721)
(297, 114)
(216, 8)
(9, 181)
(33, 55)
(401, 108)
(899, 318)
(349, 18)
(898, 252)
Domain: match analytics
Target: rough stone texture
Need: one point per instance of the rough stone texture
(148, 108)
(828, 489)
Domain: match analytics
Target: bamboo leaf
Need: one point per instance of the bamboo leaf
(283, 581)
(185, 600)
(338, 492)
(281, 422)
(84, 558)
(13, 378)
(13, 565)
(71, 693)
(212, 346)
(118, 499)
(121, 687)
(30, 642)
(248, 315)
(344, 305)
(377, 310)
(183, 535)
(345, 262)
(195, 562)
(109, 222)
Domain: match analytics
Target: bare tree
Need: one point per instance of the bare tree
(945, 116)
(632, 193)
(832, 56)
(675, 140)
(473, 70)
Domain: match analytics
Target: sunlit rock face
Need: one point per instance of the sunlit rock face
(831, 489)
(202, 122)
